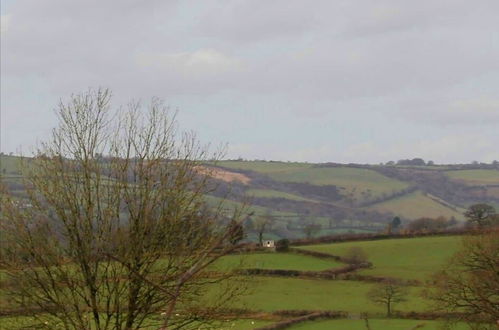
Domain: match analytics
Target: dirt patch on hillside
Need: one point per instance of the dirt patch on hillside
(224, 175)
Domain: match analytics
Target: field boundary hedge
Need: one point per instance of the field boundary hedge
(330, 274)
(315, 254)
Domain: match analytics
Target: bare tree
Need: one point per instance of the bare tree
(119, 241)
(262, 224)
(387, 294)
(468, 287)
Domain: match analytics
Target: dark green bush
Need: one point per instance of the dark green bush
(282, 245)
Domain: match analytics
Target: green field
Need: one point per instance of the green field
(362, 183)
(8, 323)
(406, 258)
(416, 205)
(230, 205)
(475, 177)
(276, 260)
(263, 167)
(9, 165)
(279, 293)
(375, 324)
(269, 193)
(241, 324)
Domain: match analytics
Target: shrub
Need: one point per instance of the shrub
(355, 255)
(282, 245)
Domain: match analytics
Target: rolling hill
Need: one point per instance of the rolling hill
(338, 197)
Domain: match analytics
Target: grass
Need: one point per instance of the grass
(362, 183)
(276, 260)
(269, 193)
(241, 324)
(416, 205)
(406, 258)
(274, 293)
(10, 164)
(375, 324)
(24, 322)
(230, 205)
(475, 177)
(263, 167)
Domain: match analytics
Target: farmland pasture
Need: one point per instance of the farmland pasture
(406, 258)
(23, 322)
(269, 193)
(263, 167)
(281, 293)
(416, 205)
(9, 165)
(475, 177)
(361, 183)
(288, 261)
(375, 324)
(409, 258)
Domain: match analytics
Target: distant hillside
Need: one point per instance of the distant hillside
(338, 197)
(352, 197)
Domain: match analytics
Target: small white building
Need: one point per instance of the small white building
(269, 244)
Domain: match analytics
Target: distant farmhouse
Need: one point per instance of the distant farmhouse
(269, 244)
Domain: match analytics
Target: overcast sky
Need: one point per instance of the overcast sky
(341, 81)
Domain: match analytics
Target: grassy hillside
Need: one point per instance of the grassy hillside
(276, 261)
(9, 165)
(375, 324)
(416, 205)
(362, 183)
(408, 258)
(341, 197)
(475, 177)
(263, 167)
(278, 293)
(270, 193)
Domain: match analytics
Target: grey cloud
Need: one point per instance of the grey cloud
(411, 60)
(251, 21)
(479, 112)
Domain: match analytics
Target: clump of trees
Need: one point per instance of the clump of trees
(118, 241)
(481, 216)
(468, 287)
(412, 162)
(426, 224)
(282, 245)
